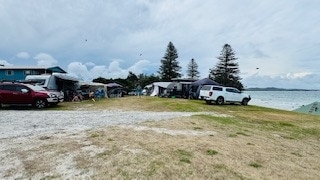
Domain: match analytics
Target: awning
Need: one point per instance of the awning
(114, 85)
(66, 77)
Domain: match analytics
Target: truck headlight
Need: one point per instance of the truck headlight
(53, 95)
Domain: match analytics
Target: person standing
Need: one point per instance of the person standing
(139, 90)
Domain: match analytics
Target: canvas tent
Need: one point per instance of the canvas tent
(100, 90)
(197, 85)
(205, 81)
(157, 88)
(114, 90)
(313, 108)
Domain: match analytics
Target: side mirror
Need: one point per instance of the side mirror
(24, 90)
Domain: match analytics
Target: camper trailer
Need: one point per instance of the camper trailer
(65, 86)
(178, 89)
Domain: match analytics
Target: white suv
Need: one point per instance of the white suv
(220, 95)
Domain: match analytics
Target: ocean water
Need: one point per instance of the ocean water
(286, 100)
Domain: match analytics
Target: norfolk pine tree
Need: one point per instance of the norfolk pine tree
(227, 71)
(169, 65)
(192, 71)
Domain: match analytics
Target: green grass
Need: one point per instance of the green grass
(211, 152)
(184, 156)
(291, 124)
(255, 165)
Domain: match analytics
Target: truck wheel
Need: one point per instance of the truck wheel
(220, 100)
(208, 102)
(245, 101)
(40, 103)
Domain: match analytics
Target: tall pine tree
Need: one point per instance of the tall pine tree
(227, 71)
(169, 64)
(192, 71)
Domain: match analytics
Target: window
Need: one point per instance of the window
(8, 87)
(229, 90)
(232, 90)
(27, 72)
(217, 88)
(19, 88)
(206, 87)
(9, 72)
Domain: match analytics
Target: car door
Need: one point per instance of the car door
(237, 95)
(229, 94)
(7, 96)
(21, 96)
(232, 94)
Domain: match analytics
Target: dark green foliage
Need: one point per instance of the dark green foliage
(255, 165)
(192, 71)
(131, 81)
(227, 71)
(146, 80)
(169, 65)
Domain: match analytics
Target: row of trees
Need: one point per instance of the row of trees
(170, 68)
(226, 72)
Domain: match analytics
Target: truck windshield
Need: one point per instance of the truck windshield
(39, 82)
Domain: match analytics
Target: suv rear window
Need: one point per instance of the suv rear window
(206, 87)
(216, 88)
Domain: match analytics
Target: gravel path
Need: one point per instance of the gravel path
(25, 123)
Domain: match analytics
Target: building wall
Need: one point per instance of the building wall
(18, 74)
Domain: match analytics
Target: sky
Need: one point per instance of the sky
(277, 42)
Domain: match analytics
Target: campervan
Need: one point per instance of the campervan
(63, 85)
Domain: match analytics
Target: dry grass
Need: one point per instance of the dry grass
(251, 143)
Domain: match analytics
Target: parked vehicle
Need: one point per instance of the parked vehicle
(26, 94)
(64, 86)
(177, 89)
(221, 95)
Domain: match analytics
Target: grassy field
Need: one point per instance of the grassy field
(241, 142)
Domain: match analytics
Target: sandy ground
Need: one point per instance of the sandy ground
(118, 144)
(24, 131)
(27, 123)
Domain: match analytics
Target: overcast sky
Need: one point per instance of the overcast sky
(277, 42)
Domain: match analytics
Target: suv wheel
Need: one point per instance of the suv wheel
(220, 100)
(40, 103)
(208, 102)
(245, 101)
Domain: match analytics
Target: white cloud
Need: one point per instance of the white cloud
(44, 59)
(295, 81)
(112, 71)
(139, 67)
(89, 64)
(298, 75)
(23, 55)
(79, 70)
(5, 63)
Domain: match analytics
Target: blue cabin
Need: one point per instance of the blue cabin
(12, 73)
